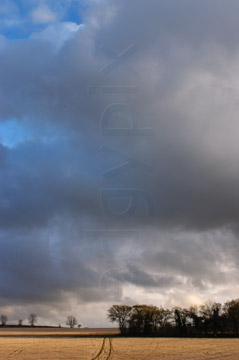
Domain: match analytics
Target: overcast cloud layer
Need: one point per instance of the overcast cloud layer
(63, 248)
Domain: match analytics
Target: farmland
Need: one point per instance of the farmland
(27, 344)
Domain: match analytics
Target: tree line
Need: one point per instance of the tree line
(32, 319)
(71, 321)
(209, 319)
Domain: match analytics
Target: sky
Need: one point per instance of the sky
(119, 156)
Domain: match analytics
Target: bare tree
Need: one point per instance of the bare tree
(196, 319)
(211, 313)
(4, 320)
(71, 321)
(121, 314)
(161, 318)
(180, 318)
(231, 311)
(32, 318)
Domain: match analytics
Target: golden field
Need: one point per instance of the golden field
(67, 345)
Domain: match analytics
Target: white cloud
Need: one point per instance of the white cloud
(57, 34)
(42, 15)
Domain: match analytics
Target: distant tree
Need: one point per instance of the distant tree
(216, 322)
(143, 319)
(211, 317)
(194, 315)
(120, 314)
(32, 318)
(19, 322)
(4, 320)
(162, 317)
(231, 311)
(136, 321)
(71, 321)
(206, 314)
(180, 318)
(149, 313)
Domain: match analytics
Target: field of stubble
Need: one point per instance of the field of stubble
(108, 348)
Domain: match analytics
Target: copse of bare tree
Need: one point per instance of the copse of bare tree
(4, 320)
(32, 318)
(71, 321)
(209, 319)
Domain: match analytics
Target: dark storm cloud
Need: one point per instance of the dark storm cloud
(41, 180)
(36, 266)
(184, 69)
(198, 23)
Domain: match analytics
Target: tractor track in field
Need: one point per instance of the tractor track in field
(110, 349)
(16, 352)
(105, 350)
